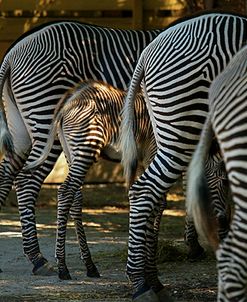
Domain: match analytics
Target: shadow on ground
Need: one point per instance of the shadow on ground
(105, 217)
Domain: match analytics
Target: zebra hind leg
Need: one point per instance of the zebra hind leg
(8, 171)
(65, 200)
(26, 203)
(151, 272)
(76, 215)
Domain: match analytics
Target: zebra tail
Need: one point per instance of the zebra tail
(198, 201)
(127, 142)
(6, 142)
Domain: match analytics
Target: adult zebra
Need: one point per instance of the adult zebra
(227, 121)
(35, 72)
(175, 70)
(87, 120)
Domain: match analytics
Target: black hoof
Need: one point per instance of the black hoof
(144, 295)
(163, 296)
(196, 254)
(64, 274)
(44, 268)
(93, 272)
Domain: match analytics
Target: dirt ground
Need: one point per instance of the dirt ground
(106, 226)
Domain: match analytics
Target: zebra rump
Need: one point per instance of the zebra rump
(228, 119)
(175, 72)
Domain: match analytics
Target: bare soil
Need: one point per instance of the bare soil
(106, 226)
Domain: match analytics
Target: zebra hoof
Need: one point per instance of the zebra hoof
(196, 254)
(163, 296)
(64, 274)
(147, 296)
(46, 269)
(93, 272)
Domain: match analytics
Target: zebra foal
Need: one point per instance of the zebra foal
(227, 120)
(87, 120)
(175, 72)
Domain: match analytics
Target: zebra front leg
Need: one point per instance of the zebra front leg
(196, 251)
(219, 191)
(76, 215)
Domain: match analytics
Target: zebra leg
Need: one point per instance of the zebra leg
(231, 257)
(65, 200)
(195, 250)
(137, 246)
(144, 196)
(27, 188)
(151, 271)
(8, 171)
(76, 215)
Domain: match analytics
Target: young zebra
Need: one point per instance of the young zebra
(87, 120)
(227, 120)
(175, 71)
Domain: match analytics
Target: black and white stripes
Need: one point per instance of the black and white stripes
(87, 120)
(176, 70)
(228, 121)
(36, 71)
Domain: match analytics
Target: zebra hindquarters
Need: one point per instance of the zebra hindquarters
(14, 146)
